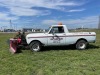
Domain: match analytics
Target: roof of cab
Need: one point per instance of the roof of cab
(58, 25)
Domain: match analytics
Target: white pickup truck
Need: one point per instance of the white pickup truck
(58, 35)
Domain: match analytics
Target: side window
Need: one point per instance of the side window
(61, 29)
(57, 30)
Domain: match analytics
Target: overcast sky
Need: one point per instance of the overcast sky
(43, 13)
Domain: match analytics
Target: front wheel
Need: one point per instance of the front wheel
(35, 46)
(81, 45)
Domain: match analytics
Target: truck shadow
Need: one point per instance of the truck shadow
(70, 47)
(93, 47)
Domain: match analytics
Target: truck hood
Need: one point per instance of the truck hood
(35, 35)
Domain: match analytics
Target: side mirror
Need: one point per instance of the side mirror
(53, 32)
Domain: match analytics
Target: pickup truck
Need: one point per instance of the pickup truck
(58, 35)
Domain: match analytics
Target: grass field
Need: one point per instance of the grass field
(61, 61)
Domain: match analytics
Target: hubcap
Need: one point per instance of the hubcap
(82, 46)
(36, 47)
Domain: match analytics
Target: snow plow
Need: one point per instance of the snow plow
(16, 45)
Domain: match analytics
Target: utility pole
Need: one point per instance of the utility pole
(99, 23)
(11, 24)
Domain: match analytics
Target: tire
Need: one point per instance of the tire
(35, 46)
(81, 45)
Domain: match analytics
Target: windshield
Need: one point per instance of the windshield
(46, 30)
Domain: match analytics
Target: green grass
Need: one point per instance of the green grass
(51, 61)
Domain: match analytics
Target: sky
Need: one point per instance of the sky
(19, 14)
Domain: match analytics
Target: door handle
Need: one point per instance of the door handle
(64, 34)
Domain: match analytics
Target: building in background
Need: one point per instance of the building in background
(9, 30)
(32, 30)
(27, 29)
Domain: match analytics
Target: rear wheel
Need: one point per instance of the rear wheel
(35, 46)
(81, 45)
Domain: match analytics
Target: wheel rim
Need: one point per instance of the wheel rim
(35, 47)
(82, 45)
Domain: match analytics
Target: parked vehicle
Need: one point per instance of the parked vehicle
(58, 35)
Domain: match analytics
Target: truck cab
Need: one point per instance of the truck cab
(56, 35)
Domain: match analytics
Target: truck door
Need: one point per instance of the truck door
(56, 36)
